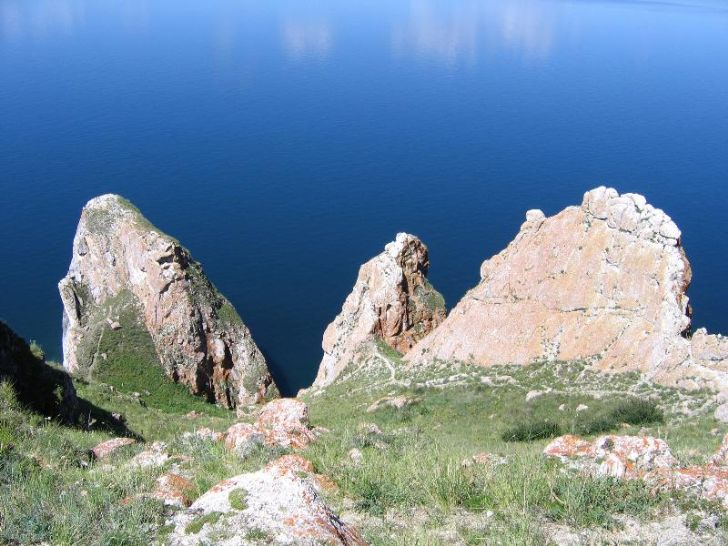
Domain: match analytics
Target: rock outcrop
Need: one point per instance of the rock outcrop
(279, 504)
(644, 458)
(604, 282)
(280, 423)
(127, 276)
(39, 386)
(392, 300)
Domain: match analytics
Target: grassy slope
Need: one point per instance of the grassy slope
(411, 487)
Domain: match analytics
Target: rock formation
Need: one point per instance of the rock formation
(280, 423)
(644, 458)
(604, 282)
(391, 300)
(38, 386)
(279, 504)
(126, 275)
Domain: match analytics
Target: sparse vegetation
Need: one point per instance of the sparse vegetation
(534, 429)
(196, 525)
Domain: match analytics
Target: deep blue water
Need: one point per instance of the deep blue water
(285, 143)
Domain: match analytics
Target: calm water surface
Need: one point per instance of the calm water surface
(286, 142)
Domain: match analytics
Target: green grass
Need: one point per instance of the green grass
(196, 525)
(237, 499)
(416, 462)
(416, 483)
(534, 429)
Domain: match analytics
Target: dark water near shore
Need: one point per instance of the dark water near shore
(285, 143)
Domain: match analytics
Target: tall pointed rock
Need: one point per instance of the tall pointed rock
(127, 276)
(392, 300)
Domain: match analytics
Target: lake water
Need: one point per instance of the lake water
(285, 143)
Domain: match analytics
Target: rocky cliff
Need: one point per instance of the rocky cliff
(38, 386)
(128, 276)
(605, 281)
(392, 300)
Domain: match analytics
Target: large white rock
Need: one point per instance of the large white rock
(604, 282)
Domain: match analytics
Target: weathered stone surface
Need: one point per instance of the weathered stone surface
(391, 300)
(280, 502)
(173, 490)
(125, 270)
(104, 449)
(644, 458)
(612, 455)
(721, 456)
(38, 386)
(155, 455)
(604, 282)
(243, 438)
(282, 423)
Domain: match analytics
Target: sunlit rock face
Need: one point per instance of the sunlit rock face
(392, 300)
(127, 275)
(605, 281)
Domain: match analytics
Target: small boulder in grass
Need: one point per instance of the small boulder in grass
(104, 449)
(483, 459)
(154, 456)
(356, 456)
(396, 402)
(173, 490)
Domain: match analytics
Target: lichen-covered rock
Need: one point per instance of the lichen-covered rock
(280, 423)
(243, 438)
(284, 422)
(644, 458)
(173, 490)
(127, 276)
(392, 300)
(604, 282)
(155, 455)
(278, 505)
(37, 385)
(612, 455)
(104, 449)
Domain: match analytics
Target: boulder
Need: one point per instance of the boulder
(155, 455)
(173, 490)
(104, 449)
(280, 423)
(603, 282)
(39, 386)
(612, 455)
(281, 504)
(127, 278)
(392, 300)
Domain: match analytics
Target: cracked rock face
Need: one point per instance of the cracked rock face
(127, 275)
(604, 282)
(391, 300)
